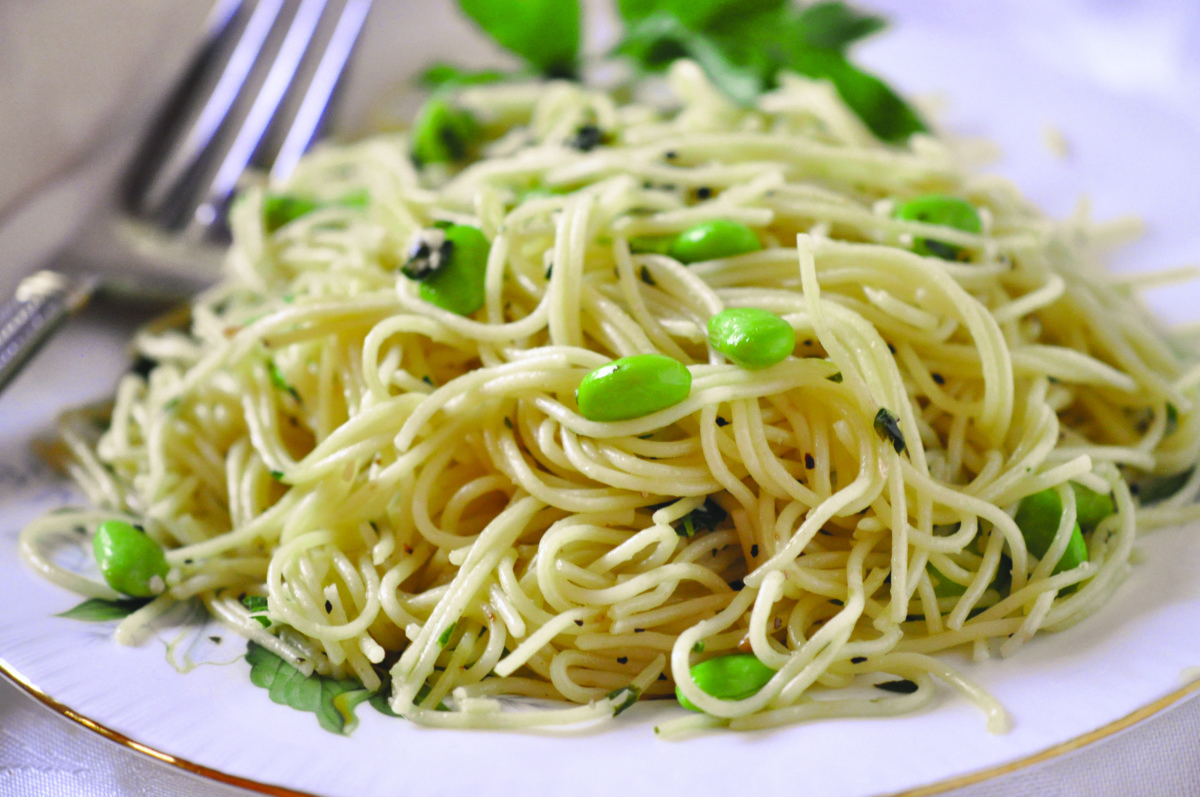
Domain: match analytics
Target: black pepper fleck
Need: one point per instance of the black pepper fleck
(902, 687)
(703, 192)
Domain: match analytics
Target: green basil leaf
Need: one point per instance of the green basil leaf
(697, 14)
(332, 700)
(881, 109)
(833, 25)
(738, 69)
(543, 32)
(100, 610)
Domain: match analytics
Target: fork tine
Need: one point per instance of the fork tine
(313, 109)
(187, 128)
(282, 72)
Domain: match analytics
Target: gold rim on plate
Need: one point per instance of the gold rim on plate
(940, 787)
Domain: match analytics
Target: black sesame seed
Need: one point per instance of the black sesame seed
(938, 378)
(579, 622)
(703, 192)
(858, 659)
(738, 585)
(328, 607)
(754, 550)
(809, 461)
(216, 640)
(891, 348)
(622, 659)
(662, 677)
(639, 630)
(670, 154)
(722, 422)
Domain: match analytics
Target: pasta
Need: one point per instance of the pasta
(424, 508)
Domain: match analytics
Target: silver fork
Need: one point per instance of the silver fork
(256, 95)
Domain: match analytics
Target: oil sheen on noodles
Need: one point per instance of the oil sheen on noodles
(423, 506)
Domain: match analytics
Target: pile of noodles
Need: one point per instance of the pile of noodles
(424, 509)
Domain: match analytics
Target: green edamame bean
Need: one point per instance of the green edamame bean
(947, 211)
(944, 587)
(750, 337)
(714, 239)
(130, 561)
(1091, 507)
(632, 387)
(442, 133)
(1037, 517)
(451, 265)
(281, 209)
(733, 677)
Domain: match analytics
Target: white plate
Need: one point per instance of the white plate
(1122, 85)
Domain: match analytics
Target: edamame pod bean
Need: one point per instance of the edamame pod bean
(750, 337)
(1092, 507)
(442, 133)
(733, 677)
(281, 209)
(714, 239)
(944, 587)
(451, 265)
(130, 561)
(947, 211)
(1037, 517)
(632, 387)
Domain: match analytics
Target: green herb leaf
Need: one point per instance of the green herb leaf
(696, 14)
(881, 109)
(543, 32)
(625, 697)
(100, 610)
(887, 426)
(835, 25)
(743, 46)
(257, 605)
(333, 701)
(705, 517)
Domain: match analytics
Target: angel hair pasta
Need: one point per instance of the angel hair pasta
(616, 401)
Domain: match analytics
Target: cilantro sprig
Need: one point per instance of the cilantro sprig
(743, 46)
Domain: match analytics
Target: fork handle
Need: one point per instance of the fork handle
(41, 304)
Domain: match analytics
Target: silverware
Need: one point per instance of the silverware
(256, 95)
